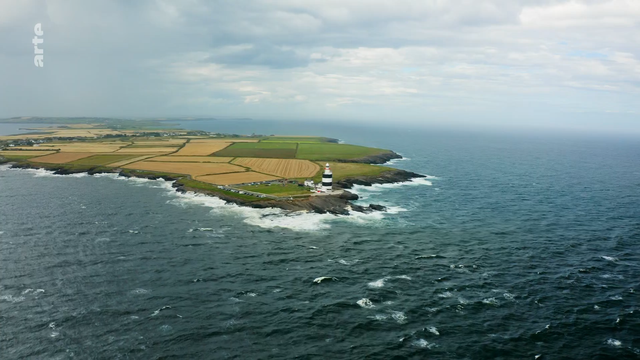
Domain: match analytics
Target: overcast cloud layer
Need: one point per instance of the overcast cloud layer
(489, 62)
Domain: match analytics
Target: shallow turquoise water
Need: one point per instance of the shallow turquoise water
(515, 246)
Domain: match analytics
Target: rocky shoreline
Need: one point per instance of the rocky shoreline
(340, 204)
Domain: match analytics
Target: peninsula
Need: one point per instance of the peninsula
(257, 170)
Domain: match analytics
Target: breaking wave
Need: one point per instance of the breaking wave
(381, 282)
(42, 172)
(425, 181)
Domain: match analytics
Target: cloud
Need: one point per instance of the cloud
(262, 55)
(421, 60)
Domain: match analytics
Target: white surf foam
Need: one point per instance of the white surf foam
(433, 330)
(49, 173)
(345, 262)
(422, 343)
(399, 317)
(377, 284)
(318, 280)
(381, 187)
(264, 218)
(109, 175)
(12, 299)
(365, 303)
(379, 317)
(381, 282)
(612, 276)
(395, 161)
(609, 258)
(491, 301)
(614, 342)
(162, 308)
(200, 229)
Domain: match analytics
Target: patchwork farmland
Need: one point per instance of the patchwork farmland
(202, 147)
(147, 150)
(61, 158)
(102, 159)
(193, 169)
(281, 167)
(280, 150)
(235, 178)
(174, 158)
(207, 161)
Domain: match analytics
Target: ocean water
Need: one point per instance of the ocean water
(514, 246)
(13, 128)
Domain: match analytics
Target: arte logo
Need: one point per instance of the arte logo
(38, 59)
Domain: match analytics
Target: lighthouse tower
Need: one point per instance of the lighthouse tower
(327, 179)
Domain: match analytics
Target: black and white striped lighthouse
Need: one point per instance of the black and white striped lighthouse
(327, 179)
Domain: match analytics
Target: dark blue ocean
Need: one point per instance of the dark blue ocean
(516, 246)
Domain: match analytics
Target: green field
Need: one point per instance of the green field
(281, 150)
(329, 151)
(102, 159)
(345, 170)
(18, 156)
(213, 188)
(277, 189)
(299, 139)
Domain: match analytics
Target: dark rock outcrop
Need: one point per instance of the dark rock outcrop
(346, 195)
(377, 207)
(388, 177)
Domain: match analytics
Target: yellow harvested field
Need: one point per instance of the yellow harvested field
(31, 148)
(206, 159)
(147, 150)
(193, 169)
(287, 168)
(228, 140)
(84, 147)
(61, 158)
(168, 142)
(235, 178)
(129, 161)
(26, 153)
(202, 147)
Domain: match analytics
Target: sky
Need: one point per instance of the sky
(566, 64)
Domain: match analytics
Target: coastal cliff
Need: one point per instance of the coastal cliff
(377, 159)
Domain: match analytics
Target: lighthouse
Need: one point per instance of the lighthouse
(327, 179)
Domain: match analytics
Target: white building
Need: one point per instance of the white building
(309, 183)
